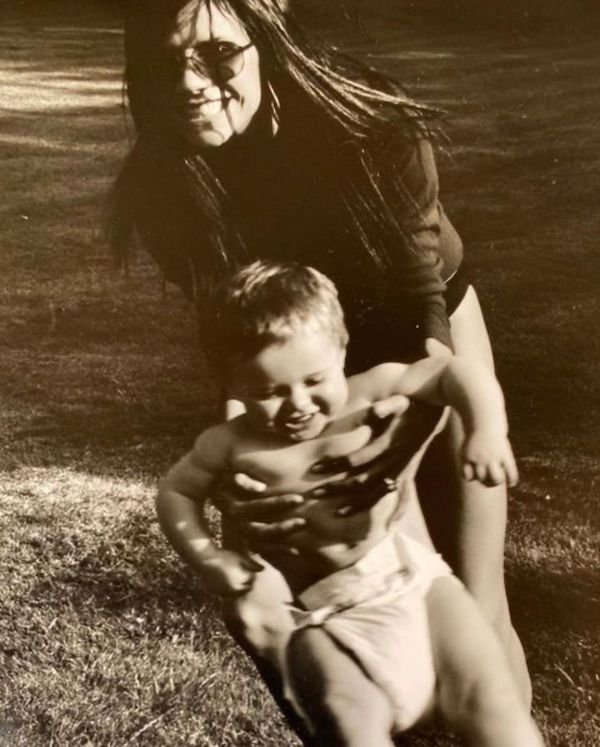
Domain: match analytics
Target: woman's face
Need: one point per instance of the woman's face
(216, 87)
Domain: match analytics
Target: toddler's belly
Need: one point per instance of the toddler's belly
(328, 542)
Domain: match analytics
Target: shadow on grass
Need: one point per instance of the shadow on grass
(96, 437)
(554, 606)
(558, 619)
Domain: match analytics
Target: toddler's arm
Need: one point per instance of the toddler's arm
(473, 391)
(180, 506)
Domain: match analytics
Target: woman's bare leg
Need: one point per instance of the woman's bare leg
(476, 694)
(467, 520)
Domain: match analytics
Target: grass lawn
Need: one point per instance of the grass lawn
(105, 639)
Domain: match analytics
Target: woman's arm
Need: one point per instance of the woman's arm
(435, 248)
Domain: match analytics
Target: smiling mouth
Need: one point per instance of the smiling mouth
(194, 110)
(299, 423)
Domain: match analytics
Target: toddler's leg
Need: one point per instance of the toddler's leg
(345, 708)
(260, 620)
(467, 521)
(477, 694)
(261, 624)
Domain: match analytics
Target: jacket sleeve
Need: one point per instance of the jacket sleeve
(436, 247)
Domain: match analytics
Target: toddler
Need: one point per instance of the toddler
(380, 634)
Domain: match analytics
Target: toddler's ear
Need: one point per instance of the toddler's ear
(436, 349)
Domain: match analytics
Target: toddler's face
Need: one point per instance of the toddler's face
(295, 387)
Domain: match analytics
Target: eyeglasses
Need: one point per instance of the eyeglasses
(220, 61)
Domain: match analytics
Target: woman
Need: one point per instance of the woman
(253, 143)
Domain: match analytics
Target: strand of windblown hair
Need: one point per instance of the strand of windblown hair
(196, 174)
(355, 105)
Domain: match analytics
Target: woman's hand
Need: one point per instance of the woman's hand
(240, 500)
(369, 473)
(364, 476)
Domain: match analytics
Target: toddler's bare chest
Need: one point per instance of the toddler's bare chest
(287, 466)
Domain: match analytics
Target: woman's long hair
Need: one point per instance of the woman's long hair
(174, 198)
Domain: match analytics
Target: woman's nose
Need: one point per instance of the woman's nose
(192, 79)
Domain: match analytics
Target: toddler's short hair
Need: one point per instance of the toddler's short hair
(266, 303)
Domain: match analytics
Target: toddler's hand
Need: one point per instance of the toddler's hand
(487, 457)
(228, 573)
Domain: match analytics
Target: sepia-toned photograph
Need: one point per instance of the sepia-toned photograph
(300, 373)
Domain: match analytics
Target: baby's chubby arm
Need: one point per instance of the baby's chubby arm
(473, 391)
(180, 504)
